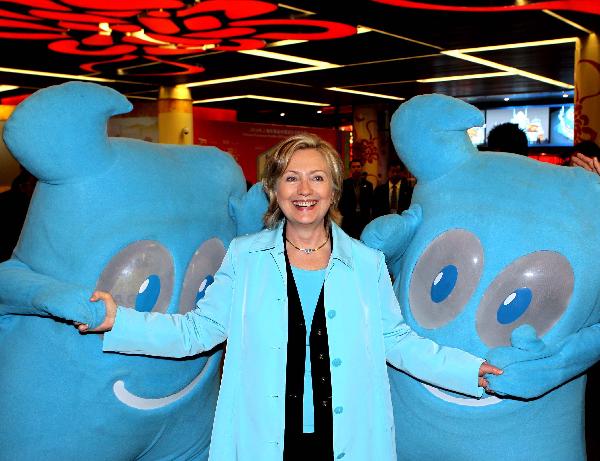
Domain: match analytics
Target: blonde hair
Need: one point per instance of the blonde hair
(278, 159)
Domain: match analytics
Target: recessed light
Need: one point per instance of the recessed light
(263, 98)
(365, 93)
(282, 114)
(507, 99)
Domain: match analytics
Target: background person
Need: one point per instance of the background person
(14, 204)
(393, 196)
(356, 200)
(508, 137)
(585, 155)
(310, 317)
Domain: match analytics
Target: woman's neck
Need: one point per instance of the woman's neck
(315, 238)
(306, 236)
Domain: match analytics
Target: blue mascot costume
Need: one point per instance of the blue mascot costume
(149, 223)
(497, 255)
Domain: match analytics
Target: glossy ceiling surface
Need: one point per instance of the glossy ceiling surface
(260, 56)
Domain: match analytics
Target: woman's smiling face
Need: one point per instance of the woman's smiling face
(305, 190)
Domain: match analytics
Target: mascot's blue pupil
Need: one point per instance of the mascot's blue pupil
(209, 279)
(514, 305)
(444, 283)
(148, 294)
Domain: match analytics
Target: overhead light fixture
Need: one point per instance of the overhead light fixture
(263, 98)
(282, 114)
(506, 99)
(7, 87)
(362, 29)
(359, 30)
(294, 8)
(288, 58)
(311, 63)
(509, 46)
(465, 77)
(464, 54)
(65, 76)
(485, 62)
(565, 95)
(568, 21)
(365, 93)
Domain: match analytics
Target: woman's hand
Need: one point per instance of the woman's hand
(485, 369)
(109, 318)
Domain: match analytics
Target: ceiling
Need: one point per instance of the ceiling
(231, 52)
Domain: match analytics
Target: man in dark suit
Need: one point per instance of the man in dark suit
(356, 200)
(393, 196)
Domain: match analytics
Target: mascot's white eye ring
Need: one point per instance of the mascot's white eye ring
(140, 276)
(445, 277)
(199, 274)
(534, 289)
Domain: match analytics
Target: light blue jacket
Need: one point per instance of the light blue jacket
(247, 306)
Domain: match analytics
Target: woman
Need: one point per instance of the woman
(301, 275)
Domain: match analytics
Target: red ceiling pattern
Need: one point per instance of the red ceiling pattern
(581, 6)
(156, 30)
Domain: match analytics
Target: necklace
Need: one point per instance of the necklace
(309, 250)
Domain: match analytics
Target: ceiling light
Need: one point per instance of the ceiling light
(285, 43)
(282, 114)
(52, 74)
(294, 8)
(319, 111)
(288, 58)
(565, 95)
(263, 98)
(484, 62)
(365, 93)
(506, 99)
(568, 21)
(508, 46)
(464, 77)
(7, 87)
(312, 63)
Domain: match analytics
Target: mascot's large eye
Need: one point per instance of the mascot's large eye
(445, 278)
(199, 275)
(140, 276)
(535, 289)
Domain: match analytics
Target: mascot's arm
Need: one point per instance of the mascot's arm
(247, 211)
(532, 368)
(391, 234)
(24, 292)
(177, 335)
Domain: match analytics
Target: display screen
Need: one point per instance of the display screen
(547, 125)
(533, 120)
(562, 124)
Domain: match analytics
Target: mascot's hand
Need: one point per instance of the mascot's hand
(25, 292)
(248, 211)
(531, 367)
(392, 233)
(70, 303)
(111, 313)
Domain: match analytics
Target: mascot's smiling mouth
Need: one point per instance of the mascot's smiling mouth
(141, 403)
(463, 401)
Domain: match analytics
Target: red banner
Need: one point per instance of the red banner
(247, 141)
